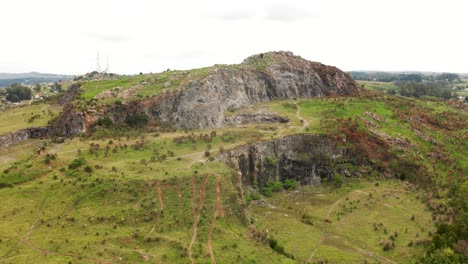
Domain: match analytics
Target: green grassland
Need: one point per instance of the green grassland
(139, 86)
(349, 224)
(26, 116)
(379, 86)
(159, 198)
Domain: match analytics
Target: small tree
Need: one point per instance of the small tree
(88, 169)
(37, 87)
(337, 181)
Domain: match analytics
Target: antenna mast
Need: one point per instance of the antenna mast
(107, 65)
(98, 65)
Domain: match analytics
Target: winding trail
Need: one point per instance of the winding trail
(304, 122)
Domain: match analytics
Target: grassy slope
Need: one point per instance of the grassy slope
(353, 210)
(17, 118)
(56, 216)
(141, 86)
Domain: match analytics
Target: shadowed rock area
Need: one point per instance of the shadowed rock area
(309, 159)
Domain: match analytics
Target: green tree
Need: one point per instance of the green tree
(18, 92)
(37, 87)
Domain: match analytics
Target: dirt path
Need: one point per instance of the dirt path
(179, 192)
(160, 195)
(196, 212)
(218, 212)
(304, 122)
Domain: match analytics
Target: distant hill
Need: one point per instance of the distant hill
(390, 76)
(6, 79)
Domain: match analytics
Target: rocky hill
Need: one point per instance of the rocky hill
(202, 102)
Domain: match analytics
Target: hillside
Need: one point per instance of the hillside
(30, 78)
(274, 160)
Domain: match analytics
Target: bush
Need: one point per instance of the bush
(337, 181)
(389, 245)
(137, 120)
(275, 186)
(306, 219)
(5, 185)
(104, 122)
(267, 192)
(255, 196)
(88, 169)
(76, 163)
(290, 184)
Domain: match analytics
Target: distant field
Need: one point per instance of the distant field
(26, 116)
(380, 86)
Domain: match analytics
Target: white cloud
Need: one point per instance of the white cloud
(148, 35)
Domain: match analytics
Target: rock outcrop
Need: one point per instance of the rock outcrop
(307, 158)
(258, 117)
(201, 103)
(24, 134)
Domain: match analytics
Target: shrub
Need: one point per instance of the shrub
(267, 192)
(337, 181)
(389, 245)
(255, 196)
(88, 169)
(275, 186)
(5, 185)
(137, 120)
(290, 184)
(306, 219)
(104, 122)
(271, 161)
(76, 163)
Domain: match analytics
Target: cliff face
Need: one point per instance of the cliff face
(309, 159)
(202, 103)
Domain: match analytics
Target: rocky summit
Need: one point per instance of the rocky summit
(202, 102)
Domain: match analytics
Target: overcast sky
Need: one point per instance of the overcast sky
(64, 36)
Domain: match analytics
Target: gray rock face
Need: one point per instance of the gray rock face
(70, 94)
(202, 103)
(307, 158)
(262, 117)
(23, 134)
